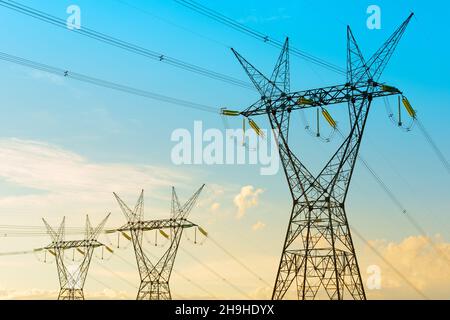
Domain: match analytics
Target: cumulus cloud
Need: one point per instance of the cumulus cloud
(423, 264)
(246, 199)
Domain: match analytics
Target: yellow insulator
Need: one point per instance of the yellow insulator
(305, 101)
(230, 113)
(126, 236)
(80, 251)
(203, 231)
(256, 128)
(409, 108)
(165, 235)
(110, 231)
(329, 119)
(109, 249)
(387, 88)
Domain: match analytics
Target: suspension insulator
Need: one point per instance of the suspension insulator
(305, 101)
(230, 113)
(80, 251)
(256, 128)
(409, 108)
(329, 119)
(391, 89)
(52, 252)
(109, 249)
(165, 235)
(203, 231)
(126, 236)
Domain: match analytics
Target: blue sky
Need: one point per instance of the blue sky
(91, 126)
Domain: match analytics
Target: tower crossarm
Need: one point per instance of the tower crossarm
(157, 225)
(319, 97)
(64, 245)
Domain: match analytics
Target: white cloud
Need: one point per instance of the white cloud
(66, 181)
(45, 167)
(246, 199)
(258, 226)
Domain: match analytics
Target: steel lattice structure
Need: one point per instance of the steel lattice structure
(72, 280)
(318, 253)
(155, 277)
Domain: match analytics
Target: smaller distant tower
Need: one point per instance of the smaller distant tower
(72, 280)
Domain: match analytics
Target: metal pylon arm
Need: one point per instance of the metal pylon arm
(65, 245)
(157, 225)
(187, 207)
(320, 97)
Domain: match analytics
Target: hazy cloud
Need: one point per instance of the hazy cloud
(59, 178)
(38, 294)
(258, 226)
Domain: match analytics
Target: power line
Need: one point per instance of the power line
(399, 205)
(433, 145)
(217, 274)
(102, 37)
(187, 279)
(117, 275)
(17, 253)
(218, 17)
(171, 23)
(415, 120)
(33, 233)
(104, 83)
(101, 283)
(176, 272)
(228, 253)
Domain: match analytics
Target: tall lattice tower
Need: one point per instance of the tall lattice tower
(155, 277)
(318, 254)
(72, 278)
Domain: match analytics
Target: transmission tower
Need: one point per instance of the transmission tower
(72, 279)
(155, 277)
(318, 253)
